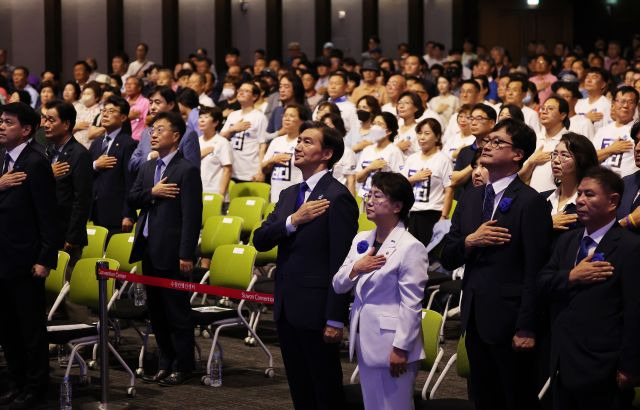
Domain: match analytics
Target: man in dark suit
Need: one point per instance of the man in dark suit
(111, 177)
(592, 282)
(629, 209)
(71, 164)
(168, 191)
(28, 250)
(501, 233)
(313, 225)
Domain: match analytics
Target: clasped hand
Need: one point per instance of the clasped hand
(488, 235)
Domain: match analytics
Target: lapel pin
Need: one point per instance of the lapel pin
(320, 196)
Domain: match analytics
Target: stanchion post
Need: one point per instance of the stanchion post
(104, 332)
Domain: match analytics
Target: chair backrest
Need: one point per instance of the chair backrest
(462, 361)
(211, 205)
(259, 189)
(364, 224)
(119, 248)
(431, 323)
(454, 203)
(360, 202)
(250, 209)
(54, 282)
(220, 230)
(266, 257)
(84, 284)
(232, 266)
(97, 238)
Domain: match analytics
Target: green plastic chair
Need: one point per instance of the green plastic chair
(119, 248)
(433, 352)
(55, 281)
(462, 365)
(250, 209)
(84, 284)
(242, 189)
(220, 230)
(211, 205)
(97, 238)
(364, 224)
(454, 203)
(360, 202)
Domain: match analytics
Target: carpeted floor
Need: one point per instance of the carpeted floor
(244, 383)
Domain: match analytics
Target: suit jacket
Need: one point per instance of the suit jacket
(111, 186)
(310, 256)
(27, 234)
(74, 191)
(387, 310)
(174, 223)
(595, 327)
(499, 281)
(631, 186)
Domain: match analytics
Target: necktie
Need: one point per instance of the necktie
(300, 200)
(105, 144)
(636, 202)
(53, 155)
(7, 161)
(487, 205)
(583, 251)
(156, 178)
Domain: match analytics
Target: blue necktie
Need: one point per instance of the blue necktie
(585, 244)
(7, 161)
(156, 178)
(54, 153)
(300, 200)
(487, 205)
(105, 144)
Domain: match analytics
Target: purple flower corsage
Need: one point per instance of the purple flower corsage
(598, 257)
(362, 246)
(505, 204)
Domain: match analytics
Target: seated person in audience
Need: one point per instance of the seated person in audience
(429, 173)
(345, 169)
(516, 92)
(164, 99)
(386, 314)
(383, 155)
(278, 161)
(246, 129)
(613, 141)
(409, 108)
(216, 160)
(482, 120)
(367, 109)
(596, 107)
(554, 119)
(629, 209)
(595, 332)
(463, 137)
(510, 111)
(112, 179)
(578, 123)
(337, 91)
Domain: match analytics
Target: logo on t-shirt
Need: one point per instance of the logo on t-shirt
(281, 172)
(614, 161)
(237, 140)
(422, 189)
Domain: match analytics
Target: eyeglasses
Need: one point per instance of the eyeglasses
(548, 108)
(463, 117)
(563, 156)
(628, 103)
(479, 119)
(110, 111)
(495, 143)
(379, 197)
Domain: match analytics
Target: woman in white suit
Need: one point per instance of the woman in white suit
(387, 269)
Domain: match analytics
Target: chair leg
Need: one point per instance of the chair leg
(132, 376)
(433, 295)
(432, 373)
(352, 380)
(444, 318)
(450, 363)
(544, 389)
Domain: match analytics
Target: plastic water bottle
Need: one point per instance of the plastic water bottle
(216, 370)
(139, 295)
(65, 394)
(63, 359)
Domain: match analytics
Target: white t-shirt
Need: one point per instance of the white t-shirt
(582, 125)
(429, 113)
(345, 166)
(542, 177)
(455, 143)
(408, 135)
(452, 129)
(211, 165)
(390, 153)
(531, 119)
(623, 164)
(429, 194)
(390, 108)
(602, 105)
(205, 100)
(246, 144)
(347, 112)
(452, 102)
(282, 176)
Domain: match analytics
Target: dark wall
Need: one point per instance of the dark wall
(594, 18)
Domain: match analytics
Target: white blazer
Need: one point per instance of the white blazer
(387, 310)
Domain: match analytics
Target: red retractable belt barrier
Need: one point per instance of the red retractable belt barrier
(188, 286)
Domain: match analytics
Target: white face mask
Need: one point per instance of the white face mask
(87, 100)
(376, 133)
(227, 93)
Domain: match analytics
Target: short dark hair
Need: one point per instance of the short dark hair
(341, 75)
(83, 63)
(563, 108)
(435, 126)
(26, 115)
(215, 113)
(175, 119)
(167, 94)
(303, 111)
(522, 136)
(119, 102)
(491, 113)
(604, 74)
(392, 124)
(331, 139)
(76, 88)
(337, 121)
(144, 45)
(484, 80)
(514, 111)
(66, 111)
(95, 87)
(373, 104)
(583, 151)
(332, 107)
(255, 90)
(233, 51)
(188, 98)
(572, 87)
(23, 96)
(49, 84)
(635, 131)
(397, 188)
(416, 101)
(546, 57)
(522, 79)
(610, 181)
(122, 56)
(24, 69)
(185, 72)
(626, 89)
(472, 82)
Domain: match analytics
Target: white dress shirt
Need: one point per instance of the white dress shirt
(13, 155)
(499, 187)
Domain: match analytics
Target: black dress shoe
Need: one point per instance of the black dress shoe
(162, 374)
(8, 396)
(176, 379)
(27, 400)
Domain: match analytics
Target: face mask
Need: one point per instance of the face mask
(376, 134)
(363, 115)
(527, 100)
(88, 101)
(227, 93)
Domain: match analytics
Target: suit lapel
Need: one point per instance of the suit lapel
(512, 193)
(387, 249)
(114, 149)
(609, 241)
(321, 186)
